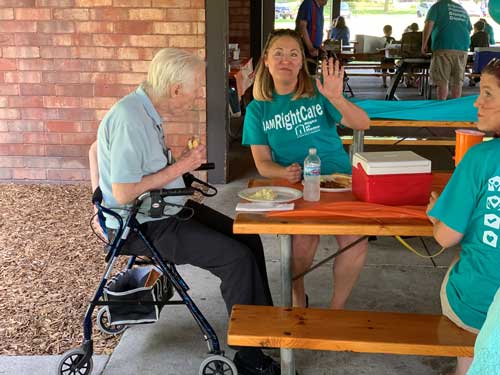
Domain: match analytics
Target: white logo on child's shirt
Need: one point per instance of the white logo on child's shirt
(493, 202)
(490, 238)
(494, 184)
(492, 221)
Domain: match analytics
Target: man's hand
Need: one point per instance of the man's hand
(192, 159)
(333, 80)
(314, 52)
(424, 49)
(293, 173)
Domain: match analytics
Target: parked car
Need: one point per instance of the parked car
(283, 11)
(472, 9)
(345, 10)
(423, 8)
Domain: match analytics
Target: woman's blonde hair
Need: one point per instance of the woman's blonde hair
(170, 66)
(263, 86)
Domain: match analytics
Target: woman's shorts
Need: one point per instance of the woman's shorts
(445, 305)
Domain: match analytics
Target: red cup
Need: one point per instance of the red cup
(465, 139)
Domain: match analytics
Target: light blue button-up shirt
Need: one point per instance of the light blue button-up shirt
(131, 145)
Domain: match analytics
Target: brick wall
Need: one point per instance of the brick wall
(64, 63)
(239, 25)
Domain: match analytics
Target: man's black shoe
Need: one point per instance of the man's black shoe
(264, 365)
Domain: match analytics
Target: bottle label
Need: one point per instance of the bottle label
(312, 170)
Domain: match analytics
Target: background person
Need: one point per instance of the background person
(448, 25)
(283, 89)
(479, 37)
(389, 39)
(340, 31)
(132, 156)
(468, 213)
(489, 29)
(309, 23)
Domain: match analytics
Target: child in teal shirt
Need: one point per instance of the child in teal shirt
(468, 212)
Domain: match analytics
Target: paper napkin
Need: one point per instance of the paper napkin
(264, 206)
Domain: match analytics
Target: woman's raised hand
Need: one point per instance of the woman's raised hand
(333, 79)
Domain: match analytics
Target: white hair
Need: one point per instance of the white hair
(170, 66)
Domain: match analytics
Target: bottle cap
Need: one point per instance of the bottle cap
(312, 151)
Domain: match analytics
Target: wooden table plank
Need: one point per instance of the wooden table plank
(341, 330)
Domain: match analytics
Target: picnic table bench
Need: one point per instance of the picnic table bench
(343, 330)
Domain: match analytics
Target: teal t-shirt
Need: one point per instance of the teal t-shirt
(290, 127)
(451, 26)
(470, 204)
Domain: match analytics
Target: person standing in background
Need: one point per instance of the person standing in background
(309, 23)
(449, 27)
(389, 39)
(489, 30)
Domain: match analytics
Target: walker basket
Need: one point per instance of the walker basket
(136, 295)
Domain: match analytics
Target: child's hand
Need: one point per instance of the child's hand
(432, 201)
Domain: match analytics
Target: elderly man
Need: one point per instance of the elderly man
(309, 24)
(133, 157)
(449, 27)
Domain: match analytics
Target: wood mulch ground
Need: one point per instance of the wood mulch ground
(50, 265)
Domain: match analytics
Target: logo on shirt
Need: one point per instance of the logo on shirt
(493, 203)
(457, 13)
(491, 219)
(304, 120)
(494, 184)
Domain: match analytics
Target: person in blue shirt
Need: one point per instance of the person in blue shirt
(468, 213)
(133, 157)
(309, 23)
(448, 25)
(288, 116)
(340, 31)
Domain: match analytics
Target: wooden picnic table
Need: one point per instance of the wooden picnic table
(285, 227)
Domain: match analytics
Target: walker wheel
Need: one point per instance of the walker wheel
(217, 365)
(104, 325)
(68, 365)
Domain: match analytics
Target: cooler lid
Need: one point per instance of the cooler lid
(391, 162)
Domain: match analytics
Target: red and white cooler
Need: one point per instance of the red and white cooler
(393, 178)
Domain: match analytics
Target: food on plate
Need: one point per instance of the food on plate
(330, 184)
(193, 143)
(336, 181)
(264, 194)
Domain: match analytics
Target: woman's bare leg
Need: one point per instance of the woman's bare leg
(304, 248)
(463, 364)
(346, 269)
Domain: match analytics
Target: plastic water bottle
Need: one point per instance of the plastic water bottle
(312, 176)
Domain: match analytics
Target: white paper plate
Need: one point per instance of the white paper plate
(283, 194)
(328, 177)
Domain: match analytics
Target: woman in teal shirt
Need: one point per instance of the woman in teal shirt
(288, 116)
(468, 212)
